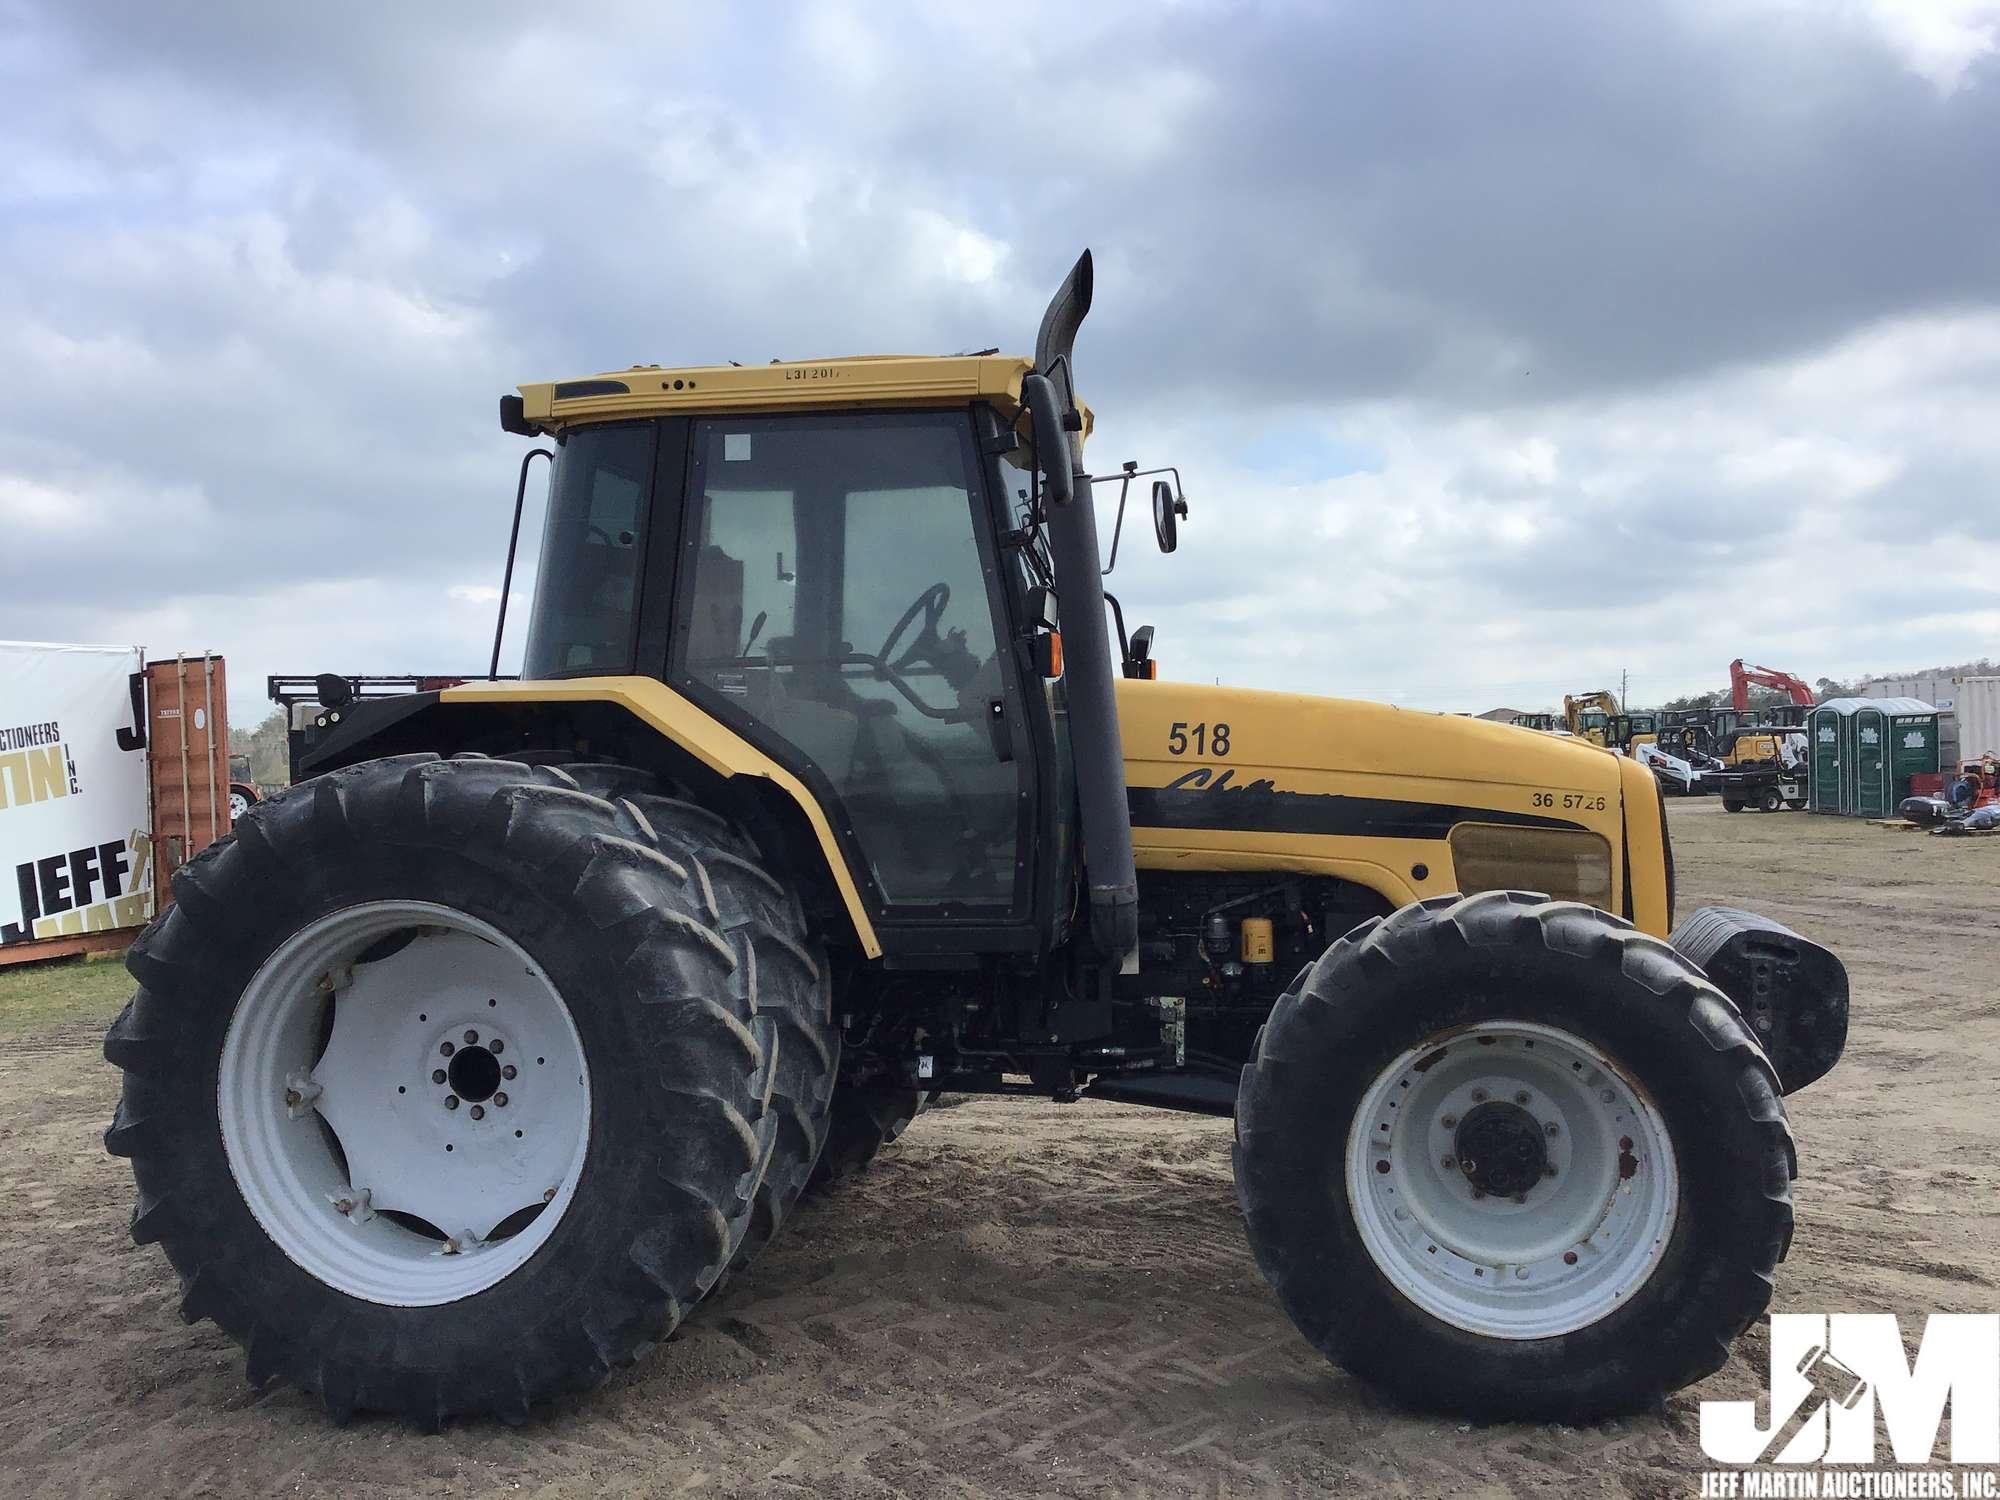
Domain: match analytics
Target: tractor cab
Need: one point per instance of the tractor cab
(860, 569)
(827, 584)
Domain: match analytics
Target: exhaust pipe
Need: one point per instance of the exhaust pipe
(1095, 747)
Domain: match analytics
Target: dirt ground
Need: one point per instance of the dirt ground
(1038, 1299)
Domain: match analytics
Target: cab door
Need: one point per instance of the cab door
(839, 603)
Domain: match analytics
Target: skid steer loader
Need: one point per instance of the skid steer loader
(462, 1070)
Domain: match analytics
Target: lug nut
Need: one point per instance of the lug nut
(1521, 1097)
(496, 1046)
(1448, 1164)
(446, 1048)
(478, 1112)
(451, 1101)
(471, 1037)
(549, 1196)
(1479, 1096)
(1449, 1122)
(499, 1101)
(508, 1071)
(437, 1075)
(1552, 1129)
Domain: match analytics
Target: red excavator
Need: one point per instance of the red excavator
(1740, 678)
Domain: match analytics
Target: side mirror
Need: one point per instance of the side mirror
(1167, 508)
(1038, 394)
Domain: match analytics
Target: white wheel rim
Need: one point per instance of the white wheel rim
(1601, 1184)
(488, 1158)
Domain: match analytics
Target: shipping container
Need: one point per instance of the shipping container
(1864, 752)
(1976, 710)
(188, 706)
(1968, 711)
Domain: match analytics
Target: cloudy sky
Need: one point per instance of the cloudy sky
(1502, 348)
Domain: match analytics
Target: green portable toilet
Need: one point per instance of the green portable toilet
(1863, 752)
(1914, 749)
(1869, 728)
(1823, 734)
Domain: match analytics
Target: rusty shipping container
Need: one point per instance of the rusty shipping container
(188, 755)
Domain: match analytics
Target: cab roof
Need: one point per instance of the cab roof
(898, 380)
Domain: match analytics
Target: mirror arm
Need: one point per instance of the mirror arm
(1118, 617)
(1124, 489)
(1054, 461)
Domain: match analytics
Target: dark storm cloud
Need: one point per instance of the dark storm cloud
(1346, 200)
(1576, 198)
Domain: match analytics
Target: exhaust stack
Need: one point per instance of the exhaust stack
(1095, 747)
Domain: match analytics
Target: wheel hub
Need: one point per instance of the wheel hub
(473, 1073)
(1500, 1149)
(405, 1102)
(1510, 1179)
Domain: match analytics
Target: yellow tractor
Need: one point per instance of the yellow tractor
(462, 1070)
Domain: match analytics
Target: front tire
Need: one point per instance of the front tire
(332, 1202)
(1513, 1159)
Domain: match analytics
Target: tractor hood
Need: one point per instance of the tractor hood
(1288, 736)
(1394, 799)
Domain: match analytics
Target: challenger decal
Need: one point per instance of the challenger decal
(1208, 800)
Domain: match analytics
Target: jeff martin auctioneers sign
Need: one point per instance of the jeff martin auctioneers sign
(75, 854)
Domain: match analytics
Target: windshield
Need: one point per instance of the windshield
(587, 586)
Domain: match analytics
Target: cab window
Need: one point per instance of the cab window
(834, 593)
(587, 584)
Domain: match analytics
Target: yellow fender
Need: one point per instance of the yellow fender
(696, 731)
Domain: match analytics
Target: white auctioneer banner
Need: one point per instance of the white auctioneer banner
(75, 851)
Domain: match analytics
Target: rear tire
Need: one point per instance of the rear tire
(1402, 1260)
(864, 1121)
(794, 999)
(1732, 804)
(230, 1034)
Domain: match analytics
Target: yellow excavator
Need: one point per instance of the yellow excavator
(1588, 715)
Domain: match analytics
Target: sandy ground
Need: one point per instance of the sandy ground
(1031, 1299)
